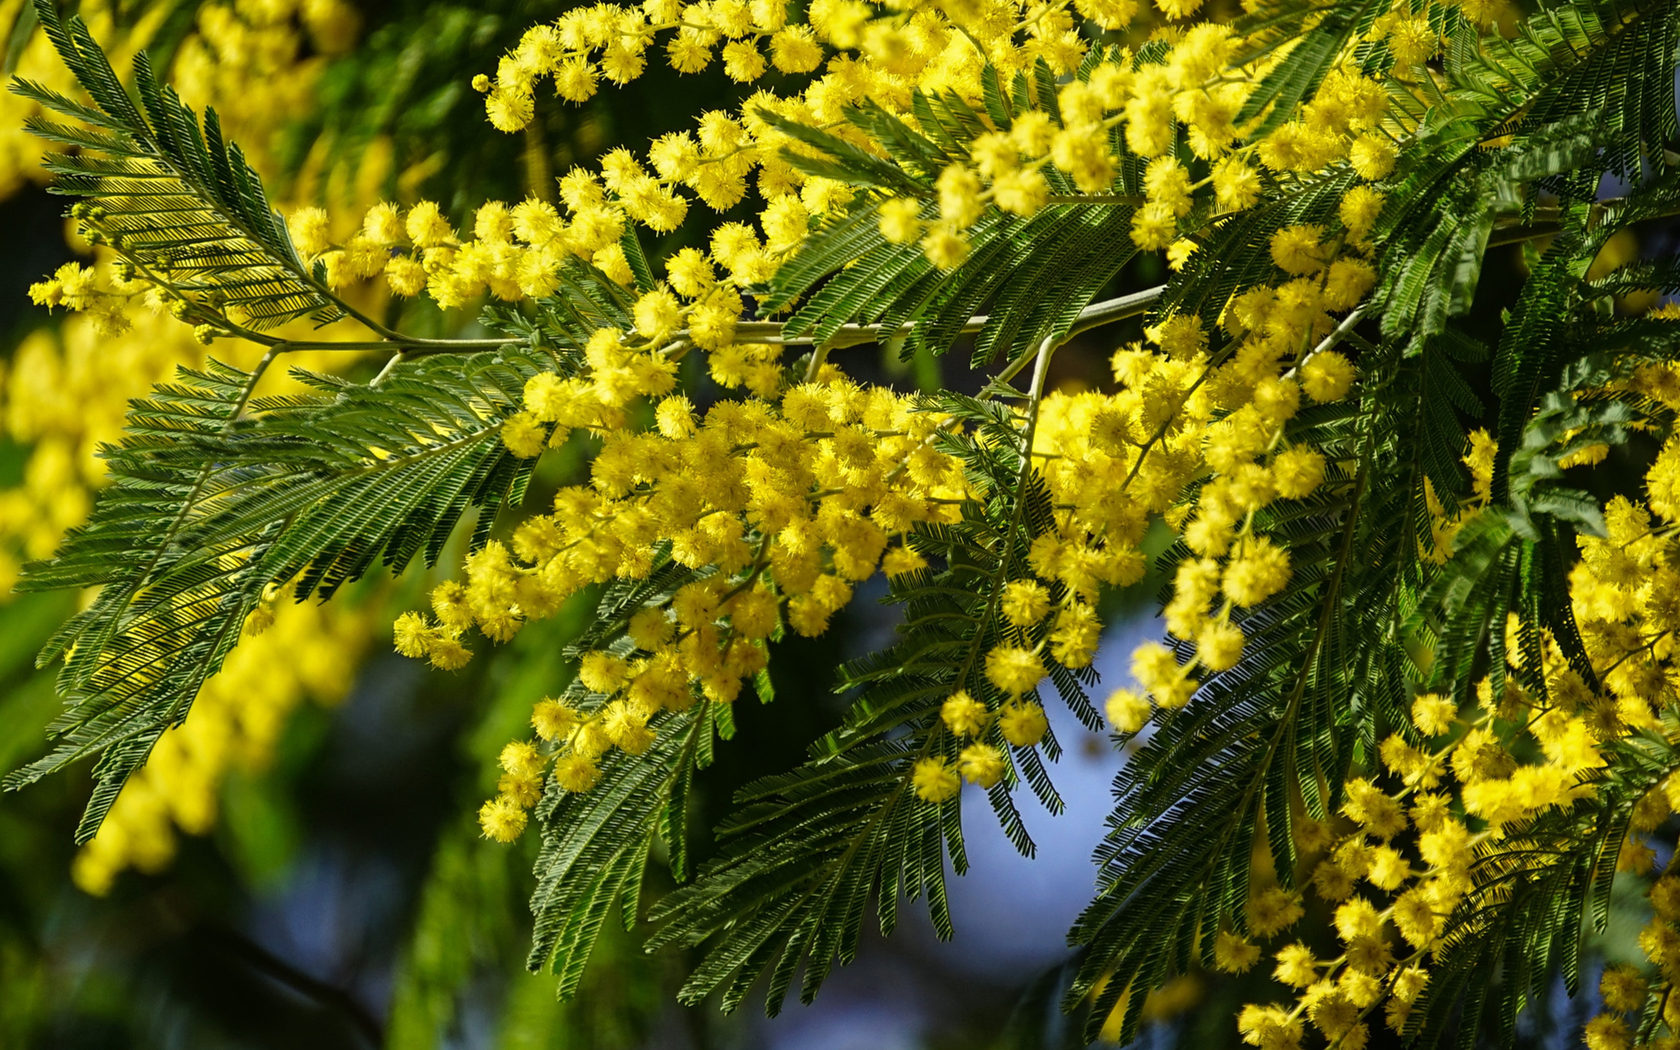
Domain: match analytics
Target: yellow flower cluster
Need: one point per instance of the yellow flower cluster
(1625, 602)
(257, 59)
(867, 54)
(1439, 831)
(77, 287)
(1185, 413)
(861, 50)
(1414, 851)
(1186, 405)
(780, 508)
(1631, 994)
(1195, 93)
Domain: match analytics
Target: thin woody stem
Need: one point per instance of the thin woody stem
(1097, 314)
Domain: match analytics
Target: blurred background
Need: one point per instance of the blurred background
(300, 865)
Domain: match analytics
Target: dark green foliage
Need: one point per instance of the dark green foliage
(140, 652)
(596, 843)
(1257, 745)
(1560, 90)
(208, 507)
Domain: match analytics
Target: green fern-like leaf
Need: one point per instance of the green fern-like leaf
(1029, 277)
(208, 507)
(166, 191)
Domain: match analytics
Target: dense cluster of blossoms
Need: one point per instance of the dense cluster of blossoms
(1190, 401)
(797, 484)
(1445, 819)
(784, 506)
(792, 495)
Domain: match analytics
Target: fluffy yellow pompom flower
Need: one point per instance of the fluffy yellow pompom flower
(411, 635)
(1110, 14)
(959, 195)
(981, 764)
(1359, 209)
(901, 561)
(1166, 182)
(626, 726)
(1154, 666)
(553, 720)
(742, 61)
(1296, 249)
(1024, 602)
(1236, 185)
(1219, 645)
(1296, 472)
(901, 220)
(1271, 910)
(1023, 724)
(794, 49)
(963, 715)
(1296, 966)
(521, 757)
(427, 227)
(1179, 8)
(1270, 1027)
(1127, 711)
(657, 314)
(576, 772)
(1358, 919)
(1372, 156)
(546, 396)
(405, 276)
(1257, 570)
(502, 819)
(309, 229)
(1623, 988)
(934, 780)
(1662, 481)
(1607, 1032)
(524, 435)
(1373, 810)
(383, 224)
(1180, 336)
(1154, 227)
(1233, 953)
(603, 672)
(945, 247)
(1433, 714)
(1021, 192)
(1074, 638)
(1014, 670)
(1327, 376)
